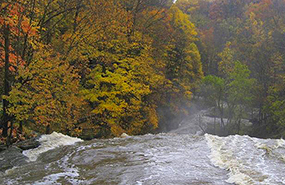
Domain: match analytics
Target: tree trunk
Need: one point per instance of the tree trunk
(10, 136)
(215, 120)
(221, 109)
(48, 129)
(21, 127)
(6, 117)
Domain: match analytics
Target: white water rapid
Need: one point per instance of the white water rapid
(49, 142)
(249, 160)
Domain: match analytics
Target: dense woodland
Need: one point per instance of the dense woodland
(97, 68)
(241, 43)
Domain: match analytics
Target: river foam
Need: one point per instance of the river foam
(248, 160)
(49, 142)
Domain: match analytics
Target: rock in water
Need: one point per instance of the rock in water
(29, 144)
(11, 157)
(124, 135)
(2, 147)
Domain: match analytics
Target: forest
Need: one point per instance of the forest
(97, 68)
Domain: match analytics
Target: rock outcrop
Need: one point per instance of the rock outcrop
(12, 156)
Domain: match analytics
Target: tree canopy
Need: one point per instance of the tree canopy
(97, 68)
(103, 67)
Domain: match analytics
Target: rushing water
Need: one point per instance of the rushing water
(165, 159)
(153, 159)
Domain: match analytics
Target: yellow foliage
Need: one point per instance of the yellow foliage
(184, 66)
(124, 63)
(46, 93)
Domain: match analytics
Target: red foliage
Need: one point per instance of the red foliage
(19, 25)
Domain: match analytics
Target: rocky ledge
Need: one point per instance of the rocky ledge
(28, 144)
(12, 156)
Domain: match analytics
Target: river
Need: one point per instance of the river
(167, 159)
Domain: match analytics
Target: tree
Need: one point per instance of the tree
(183, 66)
(240, 94)
(15, 31)
(46, 94)
(120, 84)
(118, 94)
(213, 89)
(126, 58)
(231, 95)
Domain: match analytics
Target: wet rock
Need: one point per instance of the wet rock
(124, 135)
(2, 147)
(28, 144)
(11, 157)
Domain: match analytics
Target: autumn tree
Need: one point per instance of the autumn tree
(183, 59)
(126, 59)
(16, 31)
(21, 35)
(121, 78)
(49, 99)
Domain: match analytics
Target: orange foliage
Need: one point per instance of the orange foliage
(13, 16)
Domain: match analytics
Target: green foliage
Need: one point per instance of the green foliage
(249, 32)
(213, 88)
(241, 85)
(275, 106)
(234, 90)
